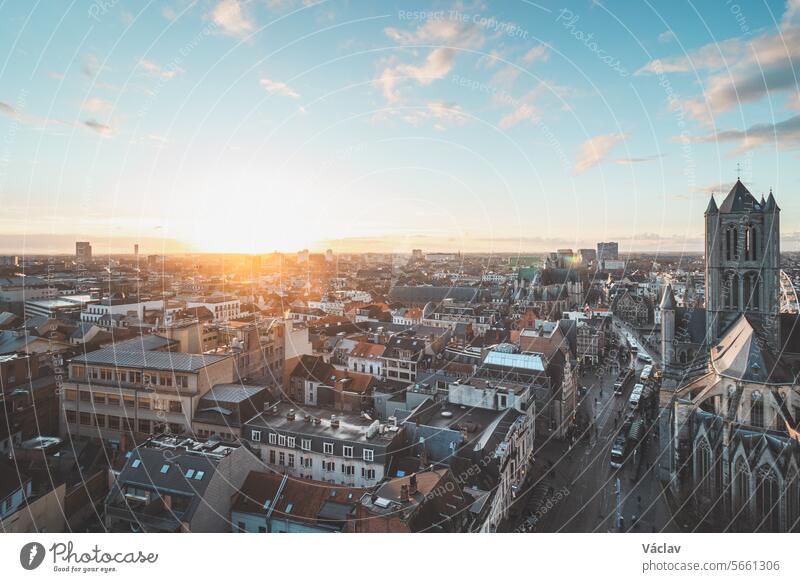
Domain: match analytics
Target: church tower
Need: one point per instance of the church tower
(742, 246)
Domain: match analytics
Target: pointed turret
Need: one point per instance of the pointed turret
(712, 206)
(668, 299)
(772, 206)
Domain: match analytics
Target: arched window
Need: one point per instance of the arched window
(757, 409)
(731, 291)
(751, 291)
(742, 492)
(705, 476)
(767, 500)
(753, 243)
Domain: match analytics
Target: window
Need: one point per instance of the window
(144, 426)
(327, 448)
(271, 457)
(368, 473)
(113, 422)
(347, 451)
(348, 470)
(199, 475)
(282, 440)
(305, 444)
(291, 460)
(290, 442)
(99, 399)
(164, 468)
(136, 463)
(190, 473)
(71, 417)
(112, 400)
(86, 419)
(757, 410)
(273, 438)
(84, 396)
(369, 455)
(144, 404)
(328, 466)
(175, 406)
(256, 436)
(100, 420)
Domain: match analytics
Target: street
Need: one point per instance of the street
(582, 492)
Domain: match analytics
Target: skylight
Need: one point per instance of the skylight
(190, 473)
(164, 468)
(136, 463)
(289, 507)
(199, 475)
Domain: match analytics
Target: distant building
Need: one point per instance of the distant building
(83, 252)
(607, 251)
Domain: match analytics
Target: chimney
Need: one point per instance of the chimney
(403, 492)
(334, 421)
(412, 484)
(290, 414)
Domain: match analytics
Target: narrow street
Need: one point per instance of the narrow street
(581, 484)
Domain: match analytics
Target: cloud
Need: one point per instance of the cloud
(740, 70)
(594, 150)
(278, 88)
(55, 75)
(443, 113)
(91, 66)
(155, 70)
(437, 64)
(528, 107)
(96, 105)
(8, 109)
(537, 53)
(100, 128)
(631, 161)
(453, 33)
(169, 13)
(231, 18)
(785, 133)
(666, 36)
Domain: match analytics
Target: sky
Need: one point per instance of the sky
(513, 127)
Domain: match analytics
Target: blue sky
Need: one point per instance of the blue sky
(510, 126)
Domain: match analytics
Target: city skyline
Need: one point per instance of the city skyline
(227, 126)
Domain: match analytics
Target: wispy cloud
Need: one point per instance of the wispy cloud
(786, 134)
(232, 19)
(437, 65)
(594, 150)
(537, 53)
(98, 127)
(96, 105)
(666, 36)
(155, 70)
(278, 88)
(740, 70)
(642, 160)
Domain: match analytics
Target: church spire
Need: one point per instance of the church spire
(712, 205)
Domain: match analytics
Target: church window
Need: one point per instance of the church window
(767, 500)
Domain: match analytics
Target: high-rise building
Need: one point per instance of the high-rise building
(607, 251)
(83, 251)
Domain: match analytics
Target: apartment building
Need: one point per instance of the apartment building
(110, 393)
(323, 444)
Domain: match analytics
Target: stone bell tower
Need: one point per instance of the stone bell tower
(742, 246)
